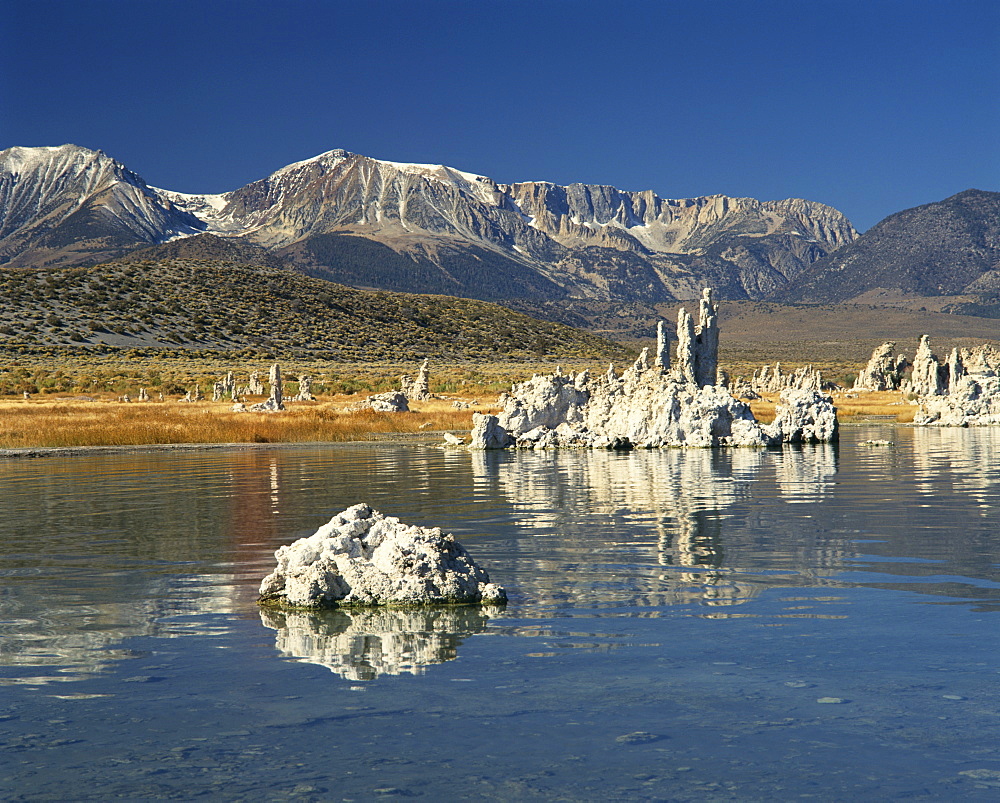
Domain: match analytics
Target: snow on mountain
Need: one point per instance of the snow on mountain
(68, 200)
(579, 236)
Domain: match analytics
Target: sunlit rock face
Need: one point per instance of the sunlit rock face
(417, 389)
(883, 372)
(927, 377)
(275, 401)
(652, 406)
(646, 409)
(973, 401)
(392, 402)
(361, 557)
(363, 644)
(770, 379)
(963, 392)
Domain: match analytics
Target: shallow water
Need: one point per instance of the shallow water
(683, 625)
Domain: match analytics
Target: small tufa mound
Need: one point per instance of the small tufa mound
(362, 558)
(392, 402)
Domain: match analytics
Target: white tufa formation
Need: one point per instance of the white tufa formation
(362, 558)
(417, 389)
(928, 378)
(883, 372)
(255, 387)
(651, 406)
(770, 379)
(305, 390)
(274, 402)
(964, 392)
(662, 359)
(224, 387)
(193, 395)
(392, 402)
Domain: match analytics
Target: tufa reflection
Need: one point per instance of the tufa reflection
(365, 643)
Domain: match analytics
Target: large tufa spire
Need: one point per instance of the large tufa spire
(698, 347)
(662, 359)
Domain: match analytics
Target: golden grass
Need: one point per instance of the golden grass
(100, 420)
(51, 422)
(45, 423)
(852, 406)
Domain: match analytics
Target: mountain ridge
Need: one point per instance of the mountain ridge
(944, 248)
(579, 240)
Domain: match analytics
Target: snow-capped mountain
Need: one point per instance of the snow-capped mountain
(432, 228)
(70, 204)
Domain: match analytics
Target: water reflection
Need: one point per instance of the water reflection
(965, 457)
(75, 627)
(684, 504)
(807, 474)
(363, 644)
(96, 550)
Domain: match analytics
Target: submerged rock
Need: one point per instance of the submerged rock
(361, 558)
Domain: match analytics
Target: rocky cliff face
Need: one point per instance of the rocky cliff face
(439, 226)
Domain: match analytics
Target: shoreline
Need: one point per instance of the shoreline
(426, 439)
(394, 439)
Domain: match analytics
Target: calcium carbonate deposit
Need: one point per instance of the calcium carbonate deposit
(652, 405)
(361, 557)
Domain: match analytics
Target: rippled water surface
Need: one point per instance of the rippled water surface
(820, 622)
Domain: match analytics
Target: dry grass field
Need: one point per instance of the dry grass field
(55, 420)
(77, 402)
(890, 406)
(47, 422)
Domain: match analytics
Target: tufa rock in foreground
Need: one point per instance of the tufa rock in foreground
(652, 406)
(362, 558)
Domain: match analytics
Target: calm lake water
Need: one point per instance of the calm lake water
(821, 622)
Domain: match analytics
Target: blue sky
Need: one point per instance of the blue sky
(870, 107)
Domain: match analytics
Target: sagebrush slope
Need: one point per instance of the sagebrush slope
(231, 307)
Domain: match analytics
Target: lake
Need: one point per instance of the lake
(818, 622)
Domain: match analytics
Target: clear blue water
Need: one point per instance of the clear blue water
(815, 623)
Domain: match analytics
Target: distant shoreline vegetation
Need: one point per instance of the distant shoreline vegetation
(225, 307)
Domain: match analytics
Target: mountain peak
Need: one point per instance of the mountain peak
(60, 204)
(937, 249)
(593, 240)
